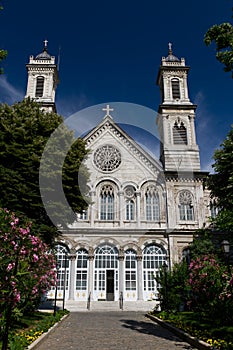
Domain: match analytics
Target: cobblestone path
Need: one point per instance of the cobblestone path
(111, 330)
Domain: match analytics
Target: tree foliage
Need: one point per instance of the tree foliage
(211, 286)
(40, 194)
(222, 35)
(26, 270)
(202, 244)
(221, 183)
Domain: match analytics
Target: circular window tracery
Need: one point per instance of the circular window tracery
(107, 158)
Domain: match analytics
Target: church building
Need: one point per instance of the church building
(144, 210)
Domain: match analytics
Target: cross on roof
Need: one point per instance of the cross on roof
(107, 109)
(45, 43)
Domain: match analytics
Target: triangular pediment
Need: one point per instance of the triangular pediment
(108, 129)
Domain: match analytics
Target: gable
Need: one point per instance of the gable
(115, 154)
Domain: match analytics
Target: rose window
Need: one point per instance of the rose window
(107, 158)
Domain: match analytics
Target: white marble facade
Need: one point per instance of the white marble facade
(144, 210)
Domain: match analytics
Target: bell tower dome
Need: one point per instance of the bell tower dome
(43, 79)
(176, 114)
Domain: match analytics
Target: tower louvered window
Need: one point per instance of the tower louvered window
(179, 134)
(175, 89)
(39, 86)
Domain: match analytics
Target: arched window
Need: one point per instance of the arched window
(175, 88)
(186, 255)
(213, 209)
(63, 264)
(130, 270)
(81, 272)
(106, 257)
(154, 257)
(186, 206)
(107, 203)
(179, 134)
(152, 204)
(130, 210)
(39, 86)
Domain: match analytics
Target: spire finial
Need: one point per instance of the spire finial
(170, 48)
(45, 44)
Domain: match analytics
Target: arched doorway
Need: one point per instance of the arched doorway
(106, 273)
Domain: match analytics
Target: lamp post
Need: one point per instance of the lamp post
(225, 245)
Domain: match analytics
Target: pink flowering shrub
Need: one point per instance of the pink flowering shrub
(211, 287)
(27, 269)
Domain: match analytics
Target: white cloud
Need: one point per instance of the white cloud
(8, 93)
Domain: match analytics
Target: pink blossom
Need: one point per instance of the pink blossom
(35, 258)
(24, 231)
(10, 266)
(17, 297)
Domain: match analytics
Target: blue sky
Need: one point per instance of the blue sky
(111, 51)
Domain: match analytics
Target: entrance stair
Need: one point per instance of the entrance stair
(139, 305)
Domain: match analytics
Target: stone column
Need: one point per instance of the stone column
(91, 273)
(138, 208)
(139, 277)
(92, 209)
(192, 127)
(121, 270)
(121, 207)
(72, 258)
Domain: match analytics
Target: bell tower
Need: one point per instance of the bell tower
(43, 79)
(179, 151)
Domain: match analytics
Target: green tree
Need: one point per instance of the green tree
(222, 35)
(39, 167)
(173, 287)
(26, 270)
(203, 244)
(221, 183)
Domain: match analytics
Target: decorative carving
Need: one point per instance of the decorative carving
(107, 158)
(185, 197)
(129, 192)
(121, 254)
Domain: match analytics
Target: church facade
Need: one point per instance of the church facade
(144, 211)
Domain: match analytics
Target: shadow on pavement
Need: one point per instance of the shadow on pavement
(155, 330)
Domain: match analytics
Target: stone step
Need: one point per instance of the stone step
(110, 305)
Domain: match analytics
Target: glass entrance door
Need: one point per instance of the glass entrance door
(106, 273)
(110, 285)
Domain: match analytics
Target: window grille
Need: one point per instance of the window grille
(130, 210)
(175, 88)
(179, 134)
(154, 257)
(39, 86)
(130, 270)
(107, 203)
(81, 273)
(152, 204)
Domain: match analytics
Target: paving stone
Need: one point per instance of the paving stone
(111, 330)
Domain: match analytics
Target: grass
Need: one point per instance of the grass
(201, 327)
(29, 327)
